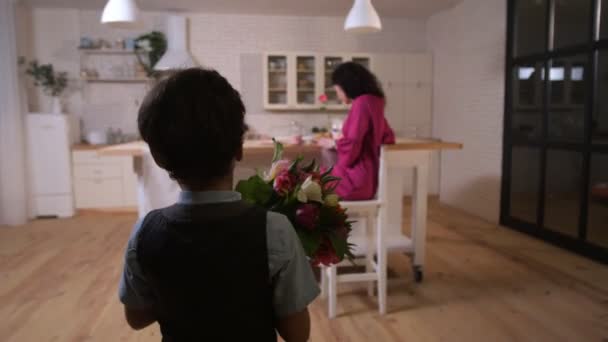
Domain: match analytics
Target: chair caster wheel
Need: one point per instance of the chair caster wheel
(418, 274)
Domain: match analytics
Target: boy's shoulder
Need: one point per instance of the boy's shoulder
(280, 234)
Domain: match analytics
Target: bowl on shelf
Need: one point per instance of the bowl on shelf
(97, 138)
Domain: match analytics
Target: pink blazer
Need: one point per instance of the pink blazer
(365, 131)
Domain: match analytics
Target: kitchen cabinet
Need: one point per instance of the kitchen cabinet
(102, 182)
(407, 80)
(296, 80)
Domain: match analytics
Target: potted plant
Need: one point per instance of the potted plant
(53, 82)
(149, 48)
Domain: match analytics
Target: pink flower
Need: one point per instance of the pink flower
(307, 216)
(323, 98)
(276, 168)
(284, 182)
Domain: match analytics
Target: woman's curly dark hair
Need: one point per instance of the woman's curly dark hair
(356, 80)
(193, 120)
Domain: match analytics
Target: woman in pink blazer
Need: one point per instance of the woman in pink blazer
(364, 131)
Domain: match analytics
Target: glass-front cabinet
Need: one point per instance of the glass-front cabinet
(306, 81)
(277, 78)
(302, 81)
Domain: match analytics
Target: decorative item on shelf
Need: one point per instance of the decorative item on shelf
(52, 82)
(323, 99)
(86, 43)
(149, 49)
(119, 44)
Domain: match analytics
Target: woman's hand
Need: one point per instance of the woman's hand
(327, 143)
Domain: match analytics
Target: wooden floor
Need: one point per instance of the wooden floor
(58, 281)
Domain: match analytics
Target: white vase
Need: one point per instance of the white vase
(56, 105)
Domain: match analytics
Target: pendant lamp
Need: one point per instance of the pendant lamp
(362, 18)
(120, 13)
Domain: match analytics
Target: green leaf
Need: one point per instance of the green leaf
(309, 241)
(310, 167)
(328, 172)
(340, 245)
(255, 190)
(294, 165)
(278, 150)
(328, 179)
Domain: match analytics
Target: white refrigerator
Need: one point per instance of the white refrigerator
(49, 164)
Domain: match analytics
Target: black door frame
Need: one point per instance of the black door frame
(586, 147)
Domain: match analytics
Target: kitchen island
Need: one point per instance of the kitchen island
(156, 190)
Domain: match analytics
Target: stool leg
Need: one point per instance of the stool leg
(333, 295)
(323, 282)
(382, 261)
(369, 253)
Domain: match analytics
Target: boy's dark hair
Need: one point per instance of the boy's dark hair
(356, 80)
(193, 121)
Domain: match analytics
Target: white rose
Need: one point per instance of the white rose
(310, 191)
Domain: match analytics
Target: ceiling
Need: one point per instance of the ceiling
(386, 8)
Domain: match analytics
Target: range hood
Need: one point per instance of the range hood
(177, 55)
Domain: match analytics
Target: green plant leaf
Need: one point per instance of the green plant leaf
(278, 150)
(310, 167)
(309, 241)
(340, 245)
(255, 190)
(294, 166)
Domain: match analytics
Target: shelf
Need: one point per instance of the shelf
(116, 80)
(282, 71)
(106, 52)
(306, 89)
(303, 71)
(278, 90)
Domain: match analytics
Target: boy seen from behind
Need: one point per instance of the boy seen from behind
(211, 267)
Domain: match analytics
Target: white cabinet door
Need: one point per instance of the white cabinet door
(129, 188)
(390, 71)
(418, 103)
(418, 68)
(98, 193)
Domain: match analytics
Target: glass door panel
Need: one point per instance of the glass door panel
(277, 80)
(329, 65)
(526, 120)
(306, 80)
(562, 195)
(525, 172)
(363, 61)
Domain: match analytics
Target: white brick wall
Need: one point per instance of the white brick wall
(468, 44)
(217, 41)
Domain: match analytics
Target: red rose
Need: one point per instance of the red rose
(284, 183)
(307, 216)
(326, 255)
(323, 98)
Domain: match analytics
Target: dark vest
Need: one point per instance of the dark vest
(208, 267)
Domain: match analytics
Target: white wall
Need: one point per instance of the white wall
(232, 44)
(468, 44)
(13, 198)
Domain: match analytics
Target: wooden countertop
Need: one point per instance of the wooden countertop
(88, 147)
(254, 147)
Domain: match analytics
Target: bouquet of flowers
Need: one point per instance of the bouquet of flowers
(307, 197)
